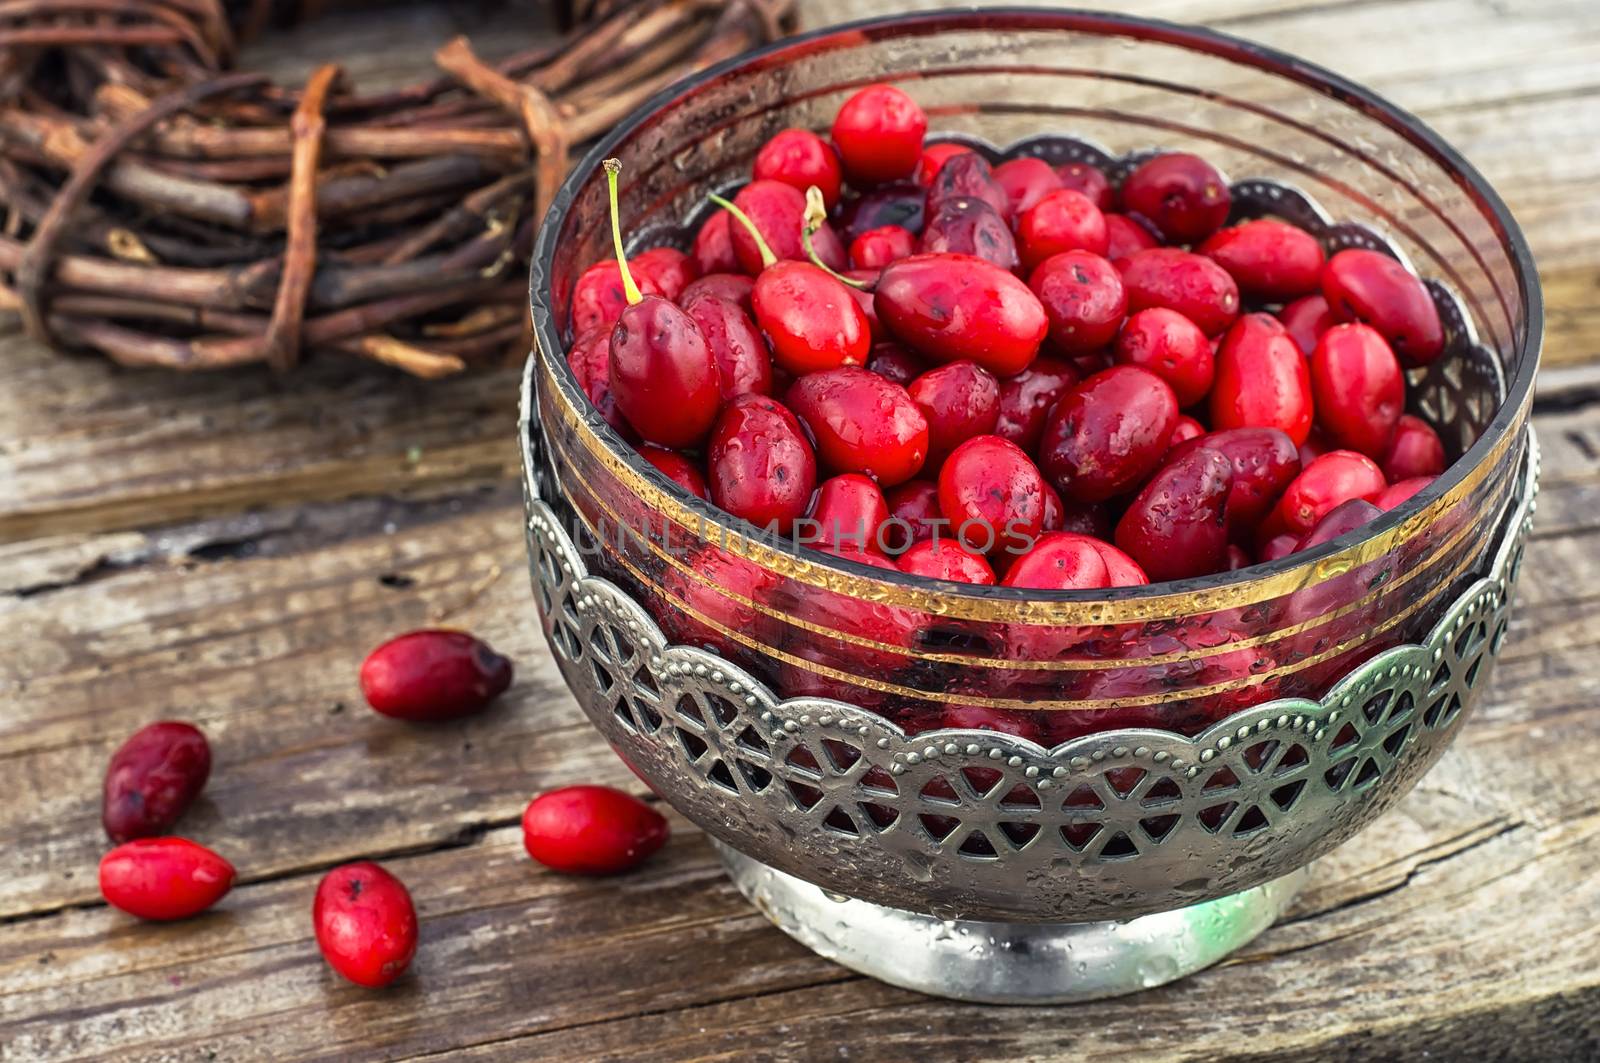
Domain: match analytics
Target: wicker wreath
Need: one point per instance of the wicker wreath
(166, 211)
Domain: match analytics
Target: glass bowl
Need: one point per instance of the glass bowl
(986, 753)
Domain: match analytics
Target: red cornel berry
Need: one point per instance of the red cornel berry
(1181, 194)
(365, 923)
(591, 830)
(163, 878)
(879, 135)
(433, 675)
(153, 777)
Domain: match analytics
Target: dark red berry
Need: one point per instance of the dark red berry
(1025, 181)
(933, 157)
(876, 248)
(1376, 290)
(1342, 519)
(713, 246)
(959, 400)
(1265, 461)
(1306, 319)
(665, 271)
(1401, 491)
(1194, 286)
(1188, 428)
(970, 227)
(590, 361)
(862, 423)
(992, 494)
(734, 287)
(811, 319)
(681, 470)
(778, 211)
(967, 176)
(1084, 300)
(948, 307)
(849, 515)
(1181, 194)
(1358, 388)
(1088, 180)
(743, 365)
(896, 364)
(1061, 221)
(1415, 450)
(163, 878)
(663, 375)
(759, 464)
(1026, 399)
(901, 203)
(1267, 258)
(1108, 433)
(946, 559)
(365, 923)
(1176, 527)
(800, 158)
(879, 135)
(1335, 477)
(1262, 380)
(433, 674)
(1172, 347)
(1125, 238)
(914, 515)
(152, 779)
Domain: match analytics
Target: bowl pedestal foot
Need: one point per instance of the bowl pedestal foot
(1009, 963)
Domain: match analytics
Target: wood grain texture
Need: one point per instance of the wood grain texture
(224, 549)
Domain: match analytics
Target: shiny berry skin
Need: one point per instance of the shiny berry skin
(1306, 319)
(163, 878)
(598, 299)
(992, 494)
(933, 157)
(895, 364)
(1194, 286)
(1062, 221)
(1026, 399)
(778, 211)
(1342, 519)
(1188, 428)
(800, 158)
(946, 559)
(1060, 561)
(734, 287)
(1084, 300)
(1025, 181)
(849, 515)
(365, 923)
(1267, 258)
(590, 361)
(1335, 477)
(879, 135)
(1182, 195)
(713, 246)
(1262, 380)
(914, 514)
(948, 307)
(1415, 450)
(1358, 389)
(677, 468)
(862, 423)
(1277, 547)
(1108, 434)
(1265, 461)
(1089, 180)
(811, 319)
(960, 400)
(1375, 289)
(1176, 526)
(1401, 491)
(663, 270)
(967, 176)
(876, 248)
(433, 674)
(663, 375)
(759, 465)
(901, 203)
(152, 779)
(970, 227)
(1126, 237)
(1170, 346)
(743, 365)
(591, 830)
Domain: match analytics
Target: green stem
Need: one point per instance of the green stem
(767, 257)
(631, 290)
(815, 218)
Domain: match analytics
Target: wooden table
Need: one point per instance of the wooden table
(225, 549)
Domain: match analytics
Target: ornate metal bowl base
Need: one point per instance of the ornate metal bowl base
(1009, 963)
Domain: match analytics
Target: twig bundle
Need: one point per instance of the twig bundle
(167, 212)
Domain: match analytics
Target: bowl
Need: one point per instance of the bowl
(903, 755)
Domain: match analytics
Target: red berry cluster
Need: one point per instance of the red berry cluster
(1085, 385)
(362, 916)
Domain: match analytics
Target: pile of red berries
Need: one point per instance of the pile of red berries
(1023, 374)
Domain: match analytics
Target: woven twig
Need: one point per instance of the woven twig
(166, 212)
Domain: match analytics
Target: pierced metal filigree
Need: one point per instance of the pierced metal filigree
(990, 826)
